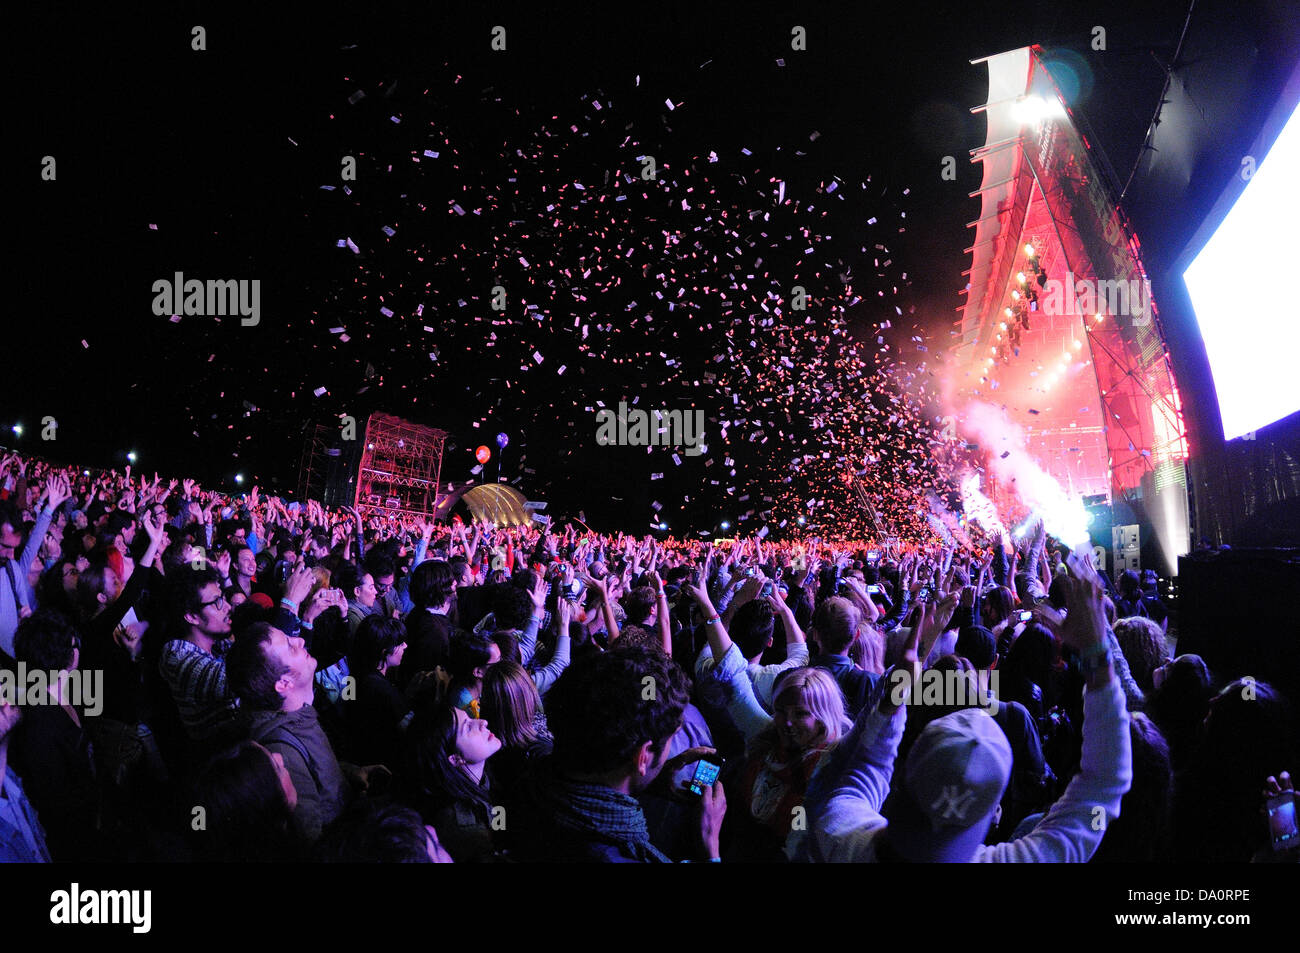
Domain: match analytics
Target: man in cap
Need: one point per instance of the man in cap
(956, 772)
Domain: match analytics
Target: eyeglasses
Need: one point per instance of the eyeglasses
(382, 587)
(220, 600)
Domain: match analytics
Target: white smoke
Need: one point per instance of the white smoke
(979, 508)
(1062, 513)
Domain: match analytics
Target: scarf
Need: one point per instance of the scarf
(607, 815)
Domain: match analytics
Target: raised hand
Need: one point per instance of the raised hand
(57, 490)
(154, 529)
(299, 584)
(538, 592)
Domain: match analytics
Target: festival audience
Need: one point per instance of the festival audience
(522, 694)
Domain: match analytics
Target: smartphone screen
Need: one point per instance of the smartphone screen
(706, 772)
(1281, 821)
(874, 590)
(1026, 616)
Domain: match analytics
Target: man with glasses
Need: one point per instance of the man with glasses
(384, 575)
(193, 665)
(17, 600)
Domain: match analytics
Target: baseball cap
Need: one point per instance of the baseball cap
(952, 782)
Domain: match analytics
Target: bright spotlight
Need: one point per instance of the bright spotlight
(1035, 109)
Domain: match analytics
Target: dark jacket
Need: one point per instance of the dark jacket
(53, 757)
(298, 738)
(374, 721)
(428, 641)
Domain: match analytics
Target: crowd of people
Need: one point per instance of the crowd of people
(187, 674)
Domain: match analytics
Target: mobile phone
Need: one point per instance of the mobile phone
(766, 591)
(924, 594)
(573, 591)
(873, 555)
(1282, 821)
(707, 770)
(873, 590)
(1026, 616)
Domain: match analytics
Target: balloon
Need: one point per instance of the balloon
(482, 454)
(502, 440)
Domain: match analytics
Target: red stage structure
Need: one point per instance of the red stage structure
(1059, 326)
(400, 466)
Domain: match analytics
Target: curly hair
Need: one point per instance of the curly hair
(605, 706)
(1143, 644)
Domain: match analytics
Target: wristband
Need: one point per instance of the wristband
(1092, 663)
(716, 618)
(289, 604)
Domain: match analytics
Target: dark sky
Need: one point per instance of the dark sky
(226, 150)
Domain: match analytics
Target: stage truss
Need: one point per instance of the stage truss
(400, 466)
(1049, 329)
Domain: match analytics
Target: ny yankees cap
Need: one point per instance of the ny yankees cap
(952, 782)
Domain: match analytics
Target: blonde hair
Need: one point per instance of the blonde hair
(821, 695)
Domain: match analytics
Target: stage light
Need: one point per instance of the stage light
(1015, 296)
(1020, 277)
(1029, 251)
(1008, 312)
(130, 457)
(725, 525)
(1036, 109)
(1003, 325)
(1097, 319)
(239, 478)
(18, 430)
(1078, 345)
(802, 521)
(663, 525)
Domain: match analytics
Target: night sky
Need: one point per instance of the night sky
(227, 152)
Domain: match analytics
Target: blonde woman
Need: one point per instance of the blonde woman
(783, 749)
